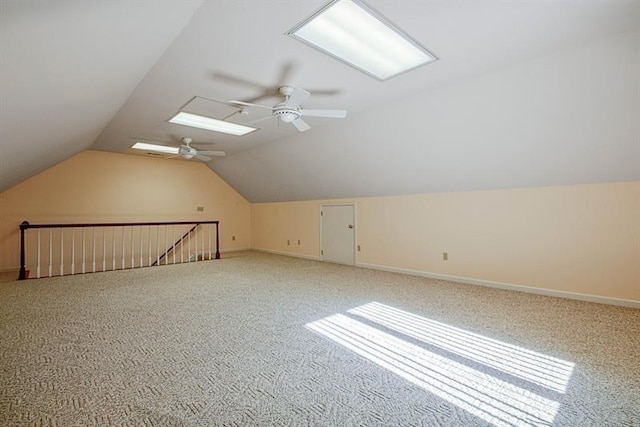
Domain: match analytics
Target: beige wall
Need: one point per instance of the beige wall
(582, 239)
(96, 186)
(273, 224)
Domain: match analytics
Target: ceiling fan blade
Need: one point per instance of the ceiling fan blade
(203, 158)
(265, 91)
(301, 125)
(258, 120)
(298, 97)
(196, 144)
(212, 153)
(233, 101)
(336, 114)
(324, 91)
(237, 80)
(285, 73)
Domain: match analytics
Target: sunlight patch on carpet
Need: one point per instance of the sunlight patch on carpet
(546, 371)
(495, 400)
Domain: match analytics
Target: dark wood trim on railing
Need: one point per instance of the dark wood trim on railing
(25, 225)
(23, 270)
(217, 240)
(184, 236)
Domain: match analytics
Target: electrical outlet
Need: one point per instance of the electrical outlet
(358, 248)
(298, 242)
(288, 242)
(200, 208)
(233, 237)
(445, 256)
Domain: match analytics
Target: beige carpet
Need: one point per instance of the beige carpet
(259, 339)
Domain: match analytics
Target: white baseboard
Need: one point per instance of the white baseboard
(508, 286)
(229, 250)
(212, 254)
(291, 254)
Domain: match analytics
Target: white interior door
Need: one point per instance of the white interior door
(338, 234)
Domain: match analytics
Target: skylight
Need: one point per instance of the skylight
(154, 147)
(208, 123)
(354, 33)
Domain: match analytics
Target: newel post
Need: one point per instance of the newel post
(23, 271)
(217, 241)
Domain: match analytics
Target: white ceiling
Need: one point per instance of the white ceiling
(102, 74)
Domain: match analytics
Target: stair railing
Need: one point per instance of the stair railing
(88, 248)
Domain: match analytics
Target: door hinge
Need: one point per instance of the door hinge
(321, 252)
(321, 213)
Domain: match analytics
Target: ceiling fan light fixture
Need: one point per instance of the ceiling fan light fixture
(208, 123)
(287, 116)
(145, 146)
(354, 33)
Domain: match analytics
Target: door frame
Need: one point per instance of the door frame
(355, 226)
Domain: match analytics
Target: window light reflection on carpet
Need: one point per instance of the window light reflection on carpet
(492, 399)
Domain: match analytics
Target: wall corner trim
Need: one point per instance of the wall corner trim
(508, 286)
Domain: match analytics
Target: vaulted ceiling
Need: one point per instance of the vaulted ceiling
(524, 94)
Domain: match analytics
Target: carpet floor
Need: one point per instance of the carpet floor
(261, 339)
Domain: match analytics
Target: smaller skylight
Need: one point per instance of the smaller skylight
(354, 33)
(203, 122)
(145, 146)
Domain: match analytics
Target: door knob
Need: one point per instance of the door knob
(350, 226)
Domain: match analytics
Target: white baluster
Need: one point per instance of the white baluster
(62, 251)
(189, 251)
(157, 245)
(113, 248)
(123, 264)
(209, 242)
(50, 254)
(84, 257)
(166, 248)
(173, 229)
(149, 245)
(104, 249)
(38, 267)
(73, 251)
(93, 258)
(132, 247)
(196, 231)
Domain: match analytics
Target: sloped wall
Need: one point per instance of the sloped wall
(582, 239)
(96, 186)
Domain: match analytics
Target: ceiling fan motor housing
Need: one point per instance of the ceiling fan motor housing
(187, 152)
(286, 113)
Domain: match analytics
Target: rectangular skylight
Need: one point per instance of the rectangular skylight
(202, 122)
(354, 33)
(154, 147)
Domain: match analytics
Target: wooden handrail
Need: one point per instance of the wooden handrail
(25, 225)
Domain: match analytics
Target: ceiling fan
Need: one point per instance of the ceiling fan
(186, 151)
(266, 91)
(289, 111)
